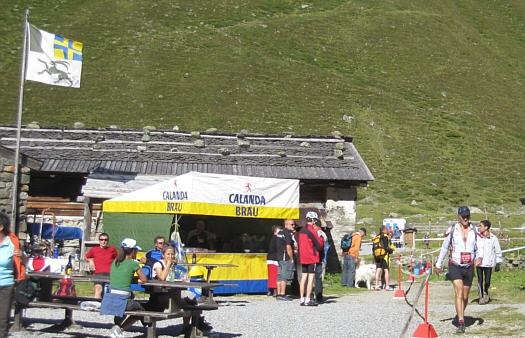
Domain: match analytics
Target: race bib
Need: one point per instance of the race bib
(466, 257)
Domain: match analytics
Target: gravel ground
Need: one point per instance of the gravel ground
(366, 314)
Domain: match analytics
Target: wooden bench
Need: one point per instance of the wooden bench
(149, 318)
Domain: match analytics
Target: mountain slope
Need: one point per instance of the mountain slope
(433, 90)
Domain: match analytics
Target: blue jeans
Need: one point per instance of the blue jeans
(347, 276)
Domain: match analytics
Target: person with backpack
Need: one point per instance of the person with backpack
(381, 247)
(100, 258)
(309, 254)
(491, 257)
(461, 241)
(155, 254)
(350, 246)
(119, 297)
(7, 274)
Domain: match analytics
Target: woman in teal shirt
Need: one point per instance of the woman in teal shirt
(119, 297)
(7, 278)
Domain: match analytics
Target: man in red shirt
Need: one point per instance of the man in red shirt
(310, 248)
(100, 258)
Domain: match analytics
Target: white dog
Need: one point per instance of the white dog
(365, 273)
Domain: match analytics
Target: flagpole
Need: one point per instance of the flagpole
(14, 209)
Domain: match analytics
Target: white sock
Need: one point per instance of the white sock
(306, 299)
(302, 299)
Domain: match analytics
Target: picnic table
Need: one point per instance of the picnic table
(209, 267)
(176, 307)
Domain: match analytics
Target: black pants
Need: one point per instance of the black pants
(484, 274)
(6, 296)
(318, 285)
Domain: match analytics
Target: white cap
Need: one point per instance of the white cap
(130, 243)
(312, 215)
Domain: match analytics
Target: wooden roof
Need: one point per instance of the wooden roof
(168, 152)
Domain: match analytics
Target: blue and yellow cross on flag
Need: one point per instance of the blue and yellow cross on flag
(67, 49)
(53, 59)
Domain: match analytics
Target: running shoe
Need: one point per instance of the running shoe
(116, 331)
(310, 303)
(461, 328)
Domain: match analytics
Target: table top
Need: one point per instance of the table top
(151, 282)
(209, 265)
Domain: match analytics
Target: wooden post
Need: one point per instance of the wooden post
(86, 229)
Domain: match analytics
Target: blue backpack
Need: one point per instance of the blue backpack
(346, 242)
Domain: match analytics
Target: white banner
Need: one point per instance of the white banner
(214, 194)
(52, 59)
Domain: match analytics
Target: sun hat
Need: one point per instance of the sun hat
(130, 243)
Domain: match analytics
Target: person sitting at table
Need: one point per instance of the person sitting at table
(154, 254)
(119, 298)
(100, 258)
(159, 300)
(200, 229)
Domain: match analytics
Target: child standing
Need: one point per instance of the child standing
(490, 252)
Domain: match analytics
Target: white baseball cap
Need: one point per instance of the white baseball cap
(130, 243)
(312, 215)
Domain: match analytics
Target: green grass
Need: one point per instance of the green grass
(435, 88)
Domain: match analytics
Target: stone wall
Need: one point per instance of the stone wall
(341, 210)
(6, 192)
(513, 261)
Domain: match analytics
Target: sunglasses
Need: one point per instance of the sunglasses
(103, 239)
(160, 243)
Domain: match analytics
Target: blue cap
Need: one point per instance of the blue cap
(464, 211)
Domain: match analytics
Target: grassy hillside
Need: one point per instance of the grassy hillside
(434, 90)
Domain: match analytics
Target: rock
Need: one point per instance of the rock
(304, 144)
(78, 125)
(33, 125)
(141, 148)
(146, 138)
(195, 134)
(393, 215)
(336, 134)
(500, 213)
(474, 210)
(149, 128)
(348, 118)
(224, 151)
(199, 143)
(114, 126)
(282, 154)
(338, 153)
(365, 220)
(444, 94)
(340, 145)
(176, 128)
(243, 143)
(211, 130)
(413, 202)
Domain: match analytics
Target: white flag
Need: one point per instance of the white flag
(53, 59)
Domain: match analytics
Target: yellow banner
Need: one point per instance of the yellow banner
(249, 267)
(199, 208)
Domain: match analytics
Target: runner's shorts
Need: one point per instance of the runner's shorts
(380, 263)
(285, 271)
(308, 268)
(464, 273)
